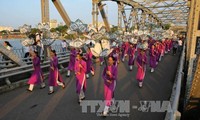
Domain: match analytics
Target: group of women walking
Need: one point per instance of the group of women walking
(82, 66)
(55, 78)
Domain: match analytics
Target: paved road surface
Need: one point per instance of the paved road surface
(62, 105)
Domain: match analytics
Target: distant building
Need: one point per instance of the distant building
(61, 24)
(53, 23)
(100, 24)
(6, 28)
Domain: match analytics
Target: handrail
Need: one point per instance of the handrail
(26, 66)
(30, 61)
(20, 51)
(5, 74)
(27, 70)
(177, 86)
(60, 54)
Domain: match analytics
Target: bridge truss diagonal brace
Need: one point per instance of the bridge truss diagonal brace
(104, 17)
(62, 12)
(121, 9)
(120, 16)
(138, 6)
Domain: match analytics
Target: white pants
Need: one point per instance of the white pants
(31, 86)
(82, 95)
(68, 73)
(59, 83)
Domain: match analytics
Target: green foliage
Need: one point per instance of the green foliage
(114, 29)
(62, 29)
(4, 32)
(70, 36)
(166, 26)
(132, 28)
(34, 30)
(53, 30)
(81, 36)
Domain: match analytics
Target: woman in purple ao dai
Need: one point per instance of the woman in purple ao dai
(36, 77)
(80, 72)
(73, 53)
(88, 59)
(152, 59)
(55, 78)
(131, 54)
(110, 76)
(141, 64)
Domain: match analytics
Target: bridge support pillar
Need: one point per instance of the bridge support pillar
(120, 16)
(193, 36)
(95, 13)
(45, 11)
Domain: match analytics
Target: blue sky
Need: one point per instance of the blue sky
(15, 13)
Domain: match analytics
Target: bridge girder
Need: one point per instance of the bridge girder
(138, 6)
(62, 12)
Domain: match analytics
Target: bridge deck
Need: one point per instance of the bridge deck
(62, 105)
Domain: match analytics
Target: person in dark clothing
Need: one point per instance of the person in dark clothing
(175, 46)
(8, 46)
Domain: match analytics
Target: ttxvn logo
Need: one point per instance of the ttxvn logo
(155, 106)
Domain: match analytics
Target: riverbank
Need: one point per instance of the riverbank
(12, 36)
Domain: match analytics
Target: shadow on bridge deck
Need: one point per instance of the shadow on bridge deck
(62, 105)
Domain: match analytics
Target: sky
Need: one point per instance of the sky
(16, 13)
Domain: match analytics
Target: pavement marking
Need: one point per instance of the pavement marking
(13, 103)
(53, 102)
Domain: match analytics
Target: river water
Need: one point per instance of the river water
(19, 49)
(17, 44)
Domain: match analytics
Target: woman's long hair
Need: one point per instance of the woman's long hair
(37, 54)
(7, 43)
(53, 51)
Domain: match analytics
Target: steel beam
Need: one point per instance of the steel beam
(45, 11)
(192, 34)
(95, 13)
(121, 5)
(62, 12)
(167, 6)
(120, 16)
(136, 4)
(103, 14)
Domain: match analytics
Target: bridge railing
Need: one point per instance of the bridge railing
(20, 52)
(175, 96)
(60, 56)
(26, 60)
(6, 75)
